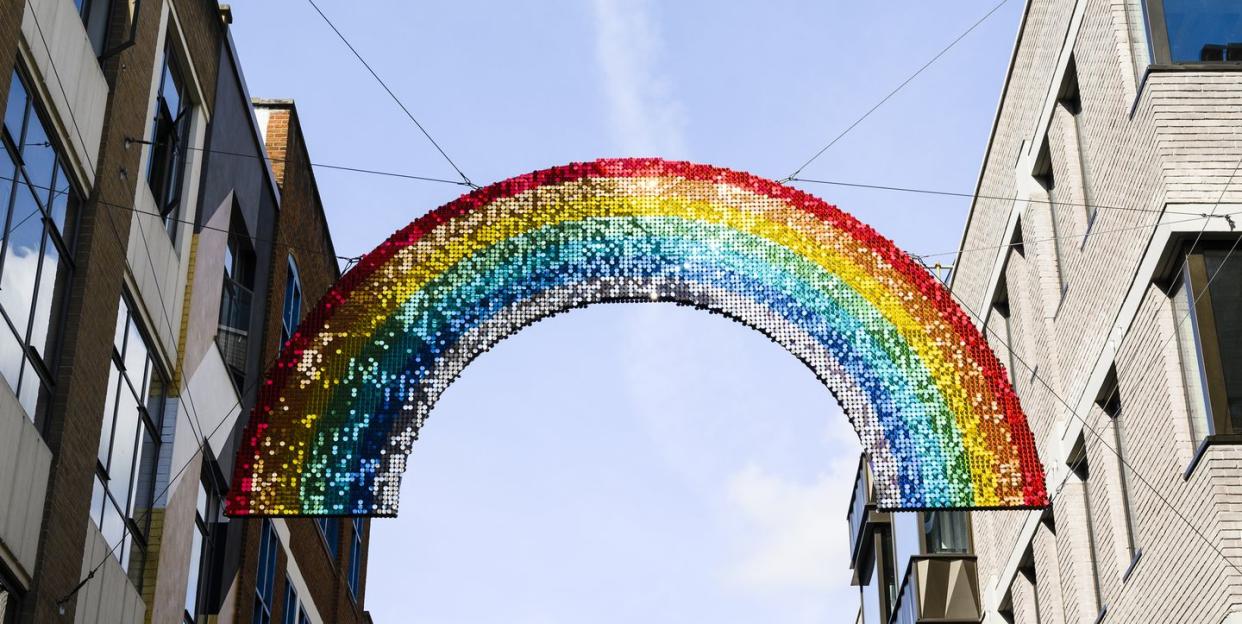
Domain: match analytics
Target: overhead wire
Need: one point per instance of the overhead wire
(317, 165)
(171, 219)
(392, 95)
(977, 196)
(898, 88)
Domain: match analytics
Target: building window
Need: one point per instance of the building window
(293, 302)
(1081, 469)
(1027, 571)
(10, 606)
(37, 211)
(129, 444)
(170, 135)
(355, 558)
(330, 529)
(1111, 404)
(291, 603)
(197, 586)
(265, 574)
(1195, 31)
(95, 14)
(1208, 312)
(887, 568)
(946, 532)
(233, 334)
(1047, 179)
(1002, 331)
(1070, 99)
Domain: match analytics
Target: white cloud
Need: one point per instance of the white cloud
(793, 532)
(646, 119)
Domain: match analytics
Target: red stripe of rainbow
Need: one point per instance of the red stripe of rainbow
(308, 450)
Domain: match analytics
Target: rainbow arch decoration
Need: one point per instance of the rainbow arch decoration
(340, 409)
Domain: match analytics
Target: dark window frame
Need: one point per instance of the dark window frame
(925, 546)
(1159, 49)
(136, 524)
(96, 18)
(62, 237)
(170, 138)
(1179, 285)
(354, 577)
(236, 300)
(265, 574)
(291, 310)
(12, 593)
(333, 543)
(1079, 464)
(292, 603)
(1046, 178)
(1109, 401)
(206, 521)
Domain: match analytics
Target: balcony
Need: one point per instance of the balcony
(863, 516)
(233, 336)
(938, 588)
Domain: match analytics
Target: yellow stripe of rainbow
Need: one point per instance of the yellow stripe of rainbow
(1003, 468)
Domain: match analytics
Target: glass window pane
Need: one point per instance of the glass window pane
(144, 483)
(7, 170)
(136, 358)
(170, 89)
(38, 157)
(29, 393)
(15, 109)
(60, 199)
(1226, 293)
(52, 274)
(191, 584)
(1204, 30)
(98, 500)
(945, 532)
(291, 603)
(21, 260)
(112, 526)
(105, 435)
(96, 20)
(1192, 367)
(118, 335)
(124, 447)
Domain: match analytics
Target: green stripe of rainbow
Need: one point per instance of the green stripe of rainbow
(339, 411)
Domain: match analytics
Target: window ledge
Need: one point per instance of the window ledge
(1212, 440)
(1218, 66)
(1103, 612)
(1138, 554)
(1060, 299)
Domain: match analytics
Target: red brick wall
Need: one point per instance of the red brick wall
(302, 231)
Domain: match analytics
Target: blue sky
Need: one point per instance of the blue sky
(642, 462)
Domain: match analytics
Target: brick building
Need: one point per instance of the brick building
(1099, 257)
(150, 255)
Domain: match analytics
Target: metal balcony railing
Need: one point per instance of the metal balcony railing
(939, 588)
(862, 516)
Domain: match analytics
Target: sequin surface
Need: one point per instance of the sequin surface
(339, 411)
